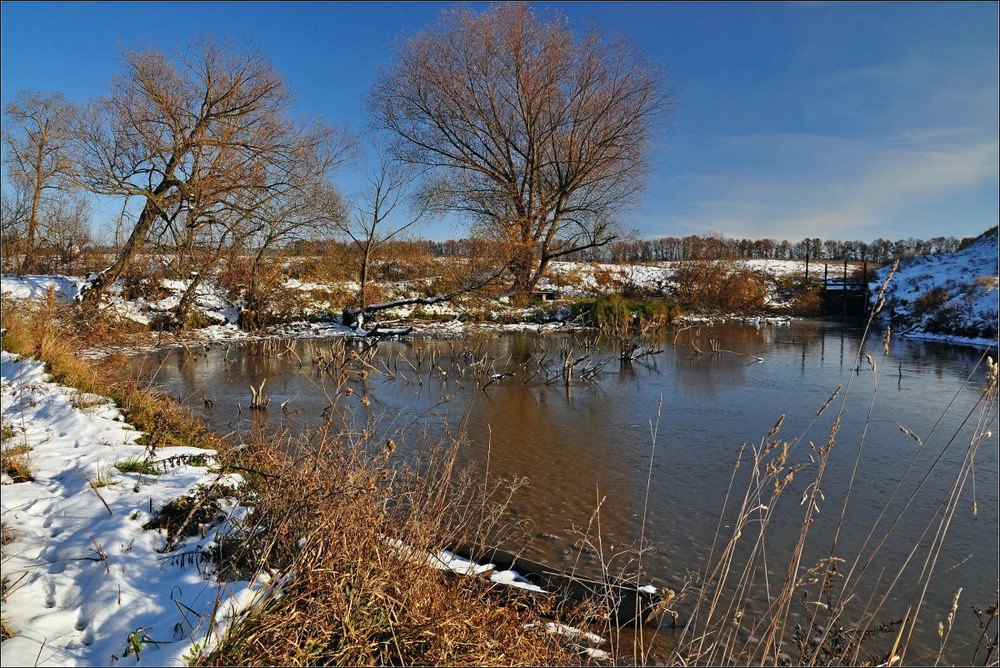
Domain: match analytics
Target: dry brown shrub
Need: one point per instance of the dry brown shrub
(719, 286)
(336, 263)
(330, 511)
(403, 261)
(807, 304)
(573, 277)
(930, 302)
(607, 280)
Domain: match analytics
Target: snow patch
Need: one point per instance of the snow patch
(87, 583)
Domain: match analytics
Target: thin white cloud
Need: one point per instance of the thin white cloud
(791, 186)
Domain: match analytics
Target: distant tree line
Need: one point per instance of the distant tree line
(694, 247)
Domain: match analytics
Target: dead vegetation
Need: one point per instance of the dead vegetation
(339, 521)
(343, 524)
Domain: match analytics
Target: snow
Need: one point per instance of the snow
(969, 276)
(443, 319)
(84, 575)
(36, 287)
(88, 585)
(583, 276)
(571, 631)
(209, 300)
(445, 560)
(514, 579)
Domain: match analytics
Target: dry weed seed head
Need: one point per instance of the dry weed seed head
(991, 375)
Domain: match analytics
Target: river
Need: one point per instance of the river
(591, 444)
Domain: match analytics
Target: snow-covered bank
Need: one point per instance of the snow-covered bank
(950, 297)
(84, 583)
(459, 317)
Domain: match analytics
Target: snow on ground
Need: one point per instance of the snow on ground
(967, 307)
(86, 584)
(208, 297)
(37, 287)
(970, 276)
(84, 578)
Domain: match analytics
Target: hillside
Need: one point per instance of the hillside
(947, 296)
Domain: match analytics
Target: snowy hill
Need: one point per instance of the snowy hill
(948, 296)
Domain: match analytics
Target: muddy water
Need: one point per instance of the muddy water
(591, 446)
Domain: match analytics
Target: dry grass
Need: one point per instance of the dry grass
(16, 463)
(49, 331)
(327, 516)
(831, 610)
(7, 431)
(54, 333)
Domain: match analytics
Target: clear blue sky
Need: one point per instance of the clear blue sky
(842, 120)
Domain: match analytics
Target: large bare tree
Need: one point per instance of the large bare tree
(203, 140)
(37, 158)
(540, 136)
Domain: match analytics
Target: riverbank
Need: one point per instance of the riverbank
(121, 545)
(85, 583)
(344, 504)
(947, 297)
(313, 309)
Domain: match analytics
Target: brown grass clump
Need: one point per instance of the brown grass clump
(351, 528)
(54, 333)
(16, 464)
(47, 331)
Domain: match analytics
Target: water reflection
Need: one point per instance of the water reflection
(590, 445)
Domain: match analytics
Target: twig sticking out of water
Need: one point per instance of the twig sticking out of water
(716, 348)
(257, 399)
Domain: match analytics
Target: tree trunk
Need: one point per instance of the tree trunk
(363, 293)
(29, 250)
(94, 288)
(187, 300)
(526, 269)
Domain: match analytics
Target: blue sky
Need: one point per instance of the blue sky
(842, 120)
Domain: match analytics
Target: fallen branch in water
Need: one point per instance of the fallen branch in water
(717, 349)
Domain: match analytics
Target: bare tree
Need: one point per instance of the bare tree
(15, 209)
(541, 138)
(66, 228)
(376, 217)
(314, 210)
(36, 138)
(202, 142)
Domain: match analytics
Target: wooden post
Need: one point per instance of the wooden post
(843, 293)
(864, 290)
(826, 286)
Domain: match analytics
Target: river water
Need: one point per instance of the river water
(591, 445)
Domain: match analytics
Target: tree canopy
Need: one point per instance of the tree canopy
(539, 136)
